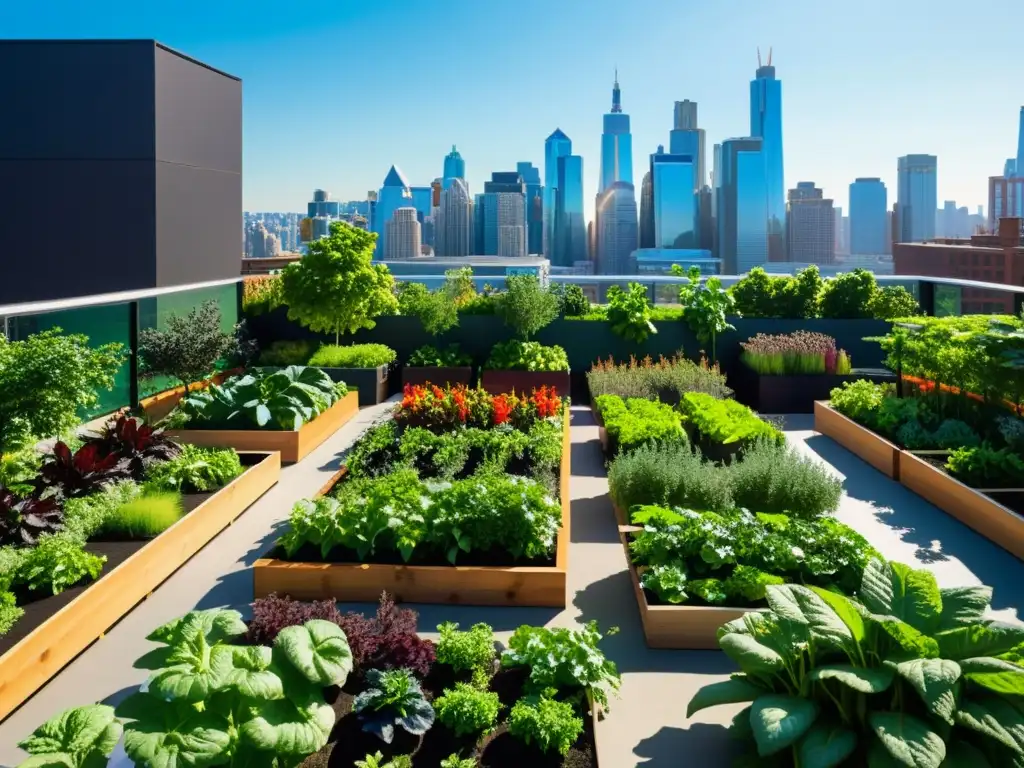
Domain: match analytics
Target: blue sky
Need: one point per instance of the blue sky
(335, 93)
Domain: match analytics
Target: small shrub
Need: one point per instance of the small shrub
(353, 356)
(145, 517)
(849, 295)
(669, 475)
(893, 302)
(777, 479)
(985, 467)
(431, 357)
(629, 312)
(726, 422)
(913, 436)
(860, 400)
(281, 354)
(527, 356)
(271, 614)
(574, 302)
(525, 306)
(1011, 429)
(196, 470)
(261, 294)
(552, 725)
(464, 651)
(466, 710)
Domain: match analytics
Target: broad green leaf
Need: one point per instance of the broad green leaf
(50, 760)
(251, 674)
(896, 640)
(998, 676)
(800, 605)
(896, 590)
(994, 717)
(861, 679)
(963, 606)
(80, 731)
(752, 656)
(935, 680)
(318, 649)
(845, 610)
(730, 691)
(216, 624)
(198, 671)
(826, 745)
(989, 639)
(284, 729)
(778, 721)
(908, 740)
(167, 734)
(960, 754)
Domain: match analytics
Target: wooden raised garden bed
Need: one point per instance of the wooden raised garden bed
(794, 394)
(534, 586)
(162, 403)
(872, 448)
(524, 382)
(292, 445)
(56, 629)
(447, 376)
(678, 627)
(979, 510)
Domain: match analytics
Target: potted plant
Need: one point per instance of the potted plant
(438, 312)
(364, 367)
(520, 364)
(786, 373)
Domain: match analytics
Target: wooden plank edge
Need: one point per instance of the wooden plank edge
(825, 419)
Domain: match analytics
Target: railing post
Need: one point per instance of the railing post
(926, 297)
(1018, 304)
(133, 358)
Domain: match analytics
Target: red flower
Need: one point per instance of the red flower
(502, 410)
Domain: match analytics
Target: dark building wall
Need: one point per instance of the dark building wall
(120, 164)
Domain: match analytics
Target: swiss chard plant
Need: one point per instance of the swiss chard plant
(908, 674)
(23, 520)
(261, 399)
(393, 697)
(140, 445)
(84, 472)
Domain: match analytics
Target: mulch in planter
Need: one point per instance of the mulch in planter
(498, 749)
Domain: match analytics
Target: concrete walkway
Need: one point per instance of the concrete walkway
(647, 725)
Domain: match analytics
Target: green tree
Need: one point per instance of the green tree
(525, 306)
(706, 306)
(47, 379)
(189, 347)
(848, 295)
(892, 302)
(335, 288)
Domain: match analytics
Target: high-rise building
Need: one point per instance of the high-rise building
(647, 212)
(810, 225)
(917, 197)
(952, 221)
(570, 225)
(501, 216)
(1019, 165)
(686, 138)
(1005, 199)
(766, 124)
(394, 193)
(422, 201)
(615, 233)
(403, 235)
(322, 205)
(534, 207)
(1010, 167)
(685, 114)
(436, 188)
(676, 218)
(454, 168)
(742, 205)
(616, 144)
(556, 145)
(869, 206)
(454, 225)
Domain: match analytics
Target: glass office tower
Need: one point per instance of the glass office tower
(616, 144)
(676, 219)
(555, 146)
(570, 226)
(869, 206)
(916, 198)
(616, 236)
(534, 207)
(454, 168)
(742, 208)
(766, 124)
(394, 193)
(1019, 165)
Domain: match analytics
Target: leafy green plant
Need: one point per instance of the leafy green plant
(527, 356)
(525, 306)
(629, 312)
(986, 467)
(261, 399)
(552, 725)
(58, 563)
(24, 520)
(10, 612)
(706, 306)
(907, 674)
(465, 651)
(353, 356)
(670, 475)
(83, 472)
(195, 470)
(467, 710)
(564, 659)
(393, 697)
(336, 288)
(18, 470)
(726, 421)
(285, 353)
(892, 302)
(860, 400)
(635, 422)
(574, 302)
(431, 357)
(189, 347)
(1011, 429)
(82, 737)
(953, 434)
(849, 295)
(377, 761)
(759, 294)
(48, 380)
(84, 516)
(438, 311)
(145, 517)
(454, 761)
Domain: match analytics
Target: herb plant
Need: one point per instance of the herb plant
(907, 674)
(466, 651)
(447, 357)
(18, 470)
(985, 467)
(467, 710)
(196, 470)
(393, 697)
(629, 312)
(669, 475)
(666, 379)
(527, 356)
(525, 306)
(776, 478)
(454, 761)
(353, 356)
(726, 421)
(145, 517)
(574, 302)
(552, 725)
(706, 307)
(377, 761)
(10, 612)
(637, 422)
(58, 563)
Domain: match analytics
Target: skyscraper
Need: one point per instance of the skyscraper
(869, 205)
(676, 218)
(322, 205)
(1019, 165)
(616, 229)
(534, 207)
(647, 212)
(454, 226)
(917, 198)
(403, 235)
(766, 124)
(570, 227)
(394, 193)
(1005, 199)
(810, 225)
(616, 144)
(501, 215)
(555, 146)
(686, 138)
(742, 207)
(454, 168)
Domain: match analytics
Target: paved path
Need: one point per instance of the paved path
(647, 724)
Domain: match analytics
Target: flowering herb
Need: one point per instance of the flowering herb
(802, 352)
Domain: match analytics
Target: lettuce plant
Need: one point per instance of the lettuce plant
(394, 697)
(552, 725)
(908, 674)
(467, 710)
(636, 422)
(82, 737)
(195, 470)
(726, 421)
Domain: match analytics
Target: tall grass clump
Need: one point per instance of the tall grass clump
(145, 517)
(668, 475)
(797, 353)
(665, 379)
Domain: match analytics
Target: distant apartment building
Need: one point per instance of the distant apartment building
(810, 225)
(869, 217)
(404, 235)
(1005, 199)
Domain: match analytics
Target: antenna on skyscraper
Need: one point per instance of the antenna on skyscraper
(769, 56)
(759, 57)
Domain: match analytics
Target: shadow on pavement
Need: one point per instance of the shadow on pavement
(667, 747)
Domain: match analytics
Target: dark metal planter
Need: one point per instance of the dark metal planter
(524, 382)
(794, 394)
(441, 376)
(372, 383)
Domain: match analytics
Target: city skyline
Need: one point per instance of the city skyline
(857, 94)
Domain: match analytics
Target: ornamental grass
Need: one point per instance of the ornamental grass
(665, 379)
(802, 352)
